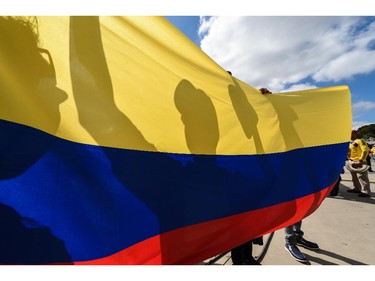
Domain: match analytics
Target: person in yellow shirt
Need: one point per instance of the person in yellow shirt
(371, 155)
(358, 151)
(368, 158)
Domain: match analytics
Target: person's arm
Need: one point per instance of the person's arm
(364, 149)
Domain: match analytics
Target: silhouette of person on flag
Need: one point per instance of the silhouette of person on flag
(29, 94)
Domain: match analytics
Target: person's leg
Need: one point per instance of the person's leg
(302, 241)
(237, 254)
(365, 184)
(368, 160)
(297, 230)
(335, 189)
(290, 236)
(357, 186)
(247, 251)
(250, 260)
(335, 192)
(291, 243)
(240, 255)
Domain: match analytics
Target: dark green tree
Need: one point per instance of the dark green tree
(367, 131)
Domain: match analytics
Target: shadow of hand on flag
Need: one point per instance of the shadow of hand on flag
(171, 191)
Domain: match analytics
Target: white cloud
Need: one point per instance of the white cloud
(277, 52)
(359, 112)
(204, 24)
(358, 124)
(363, 106)
(346, 66)
(299, 87)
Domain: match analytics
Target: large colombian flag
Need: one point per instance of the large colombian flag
(123, 143)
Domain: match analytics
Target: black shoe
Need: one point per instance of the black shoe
(252, 262)
(247, 262)
(295, 253)
(307, 244)
(363, 195)
(353, 191)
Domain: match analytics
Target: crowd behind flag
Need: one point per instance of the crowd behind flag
(124, 143)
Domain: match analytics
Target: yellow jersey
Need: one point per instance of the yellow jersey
(358, 150)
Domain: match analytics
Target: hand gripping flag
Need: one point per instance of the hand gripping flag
(123, 143)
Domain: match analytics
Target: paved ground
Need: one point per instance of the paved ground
(343, 228)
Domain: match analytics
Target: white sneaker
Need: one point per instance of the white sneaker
(338, 196)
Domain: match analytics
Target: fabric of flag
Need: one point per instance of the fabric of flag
(122, 142)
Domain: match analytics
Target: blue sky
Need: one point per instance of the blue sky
(286, 53)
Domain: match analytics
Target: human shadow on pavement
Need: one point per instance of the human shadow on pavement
(353, 196)
(322, 261)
